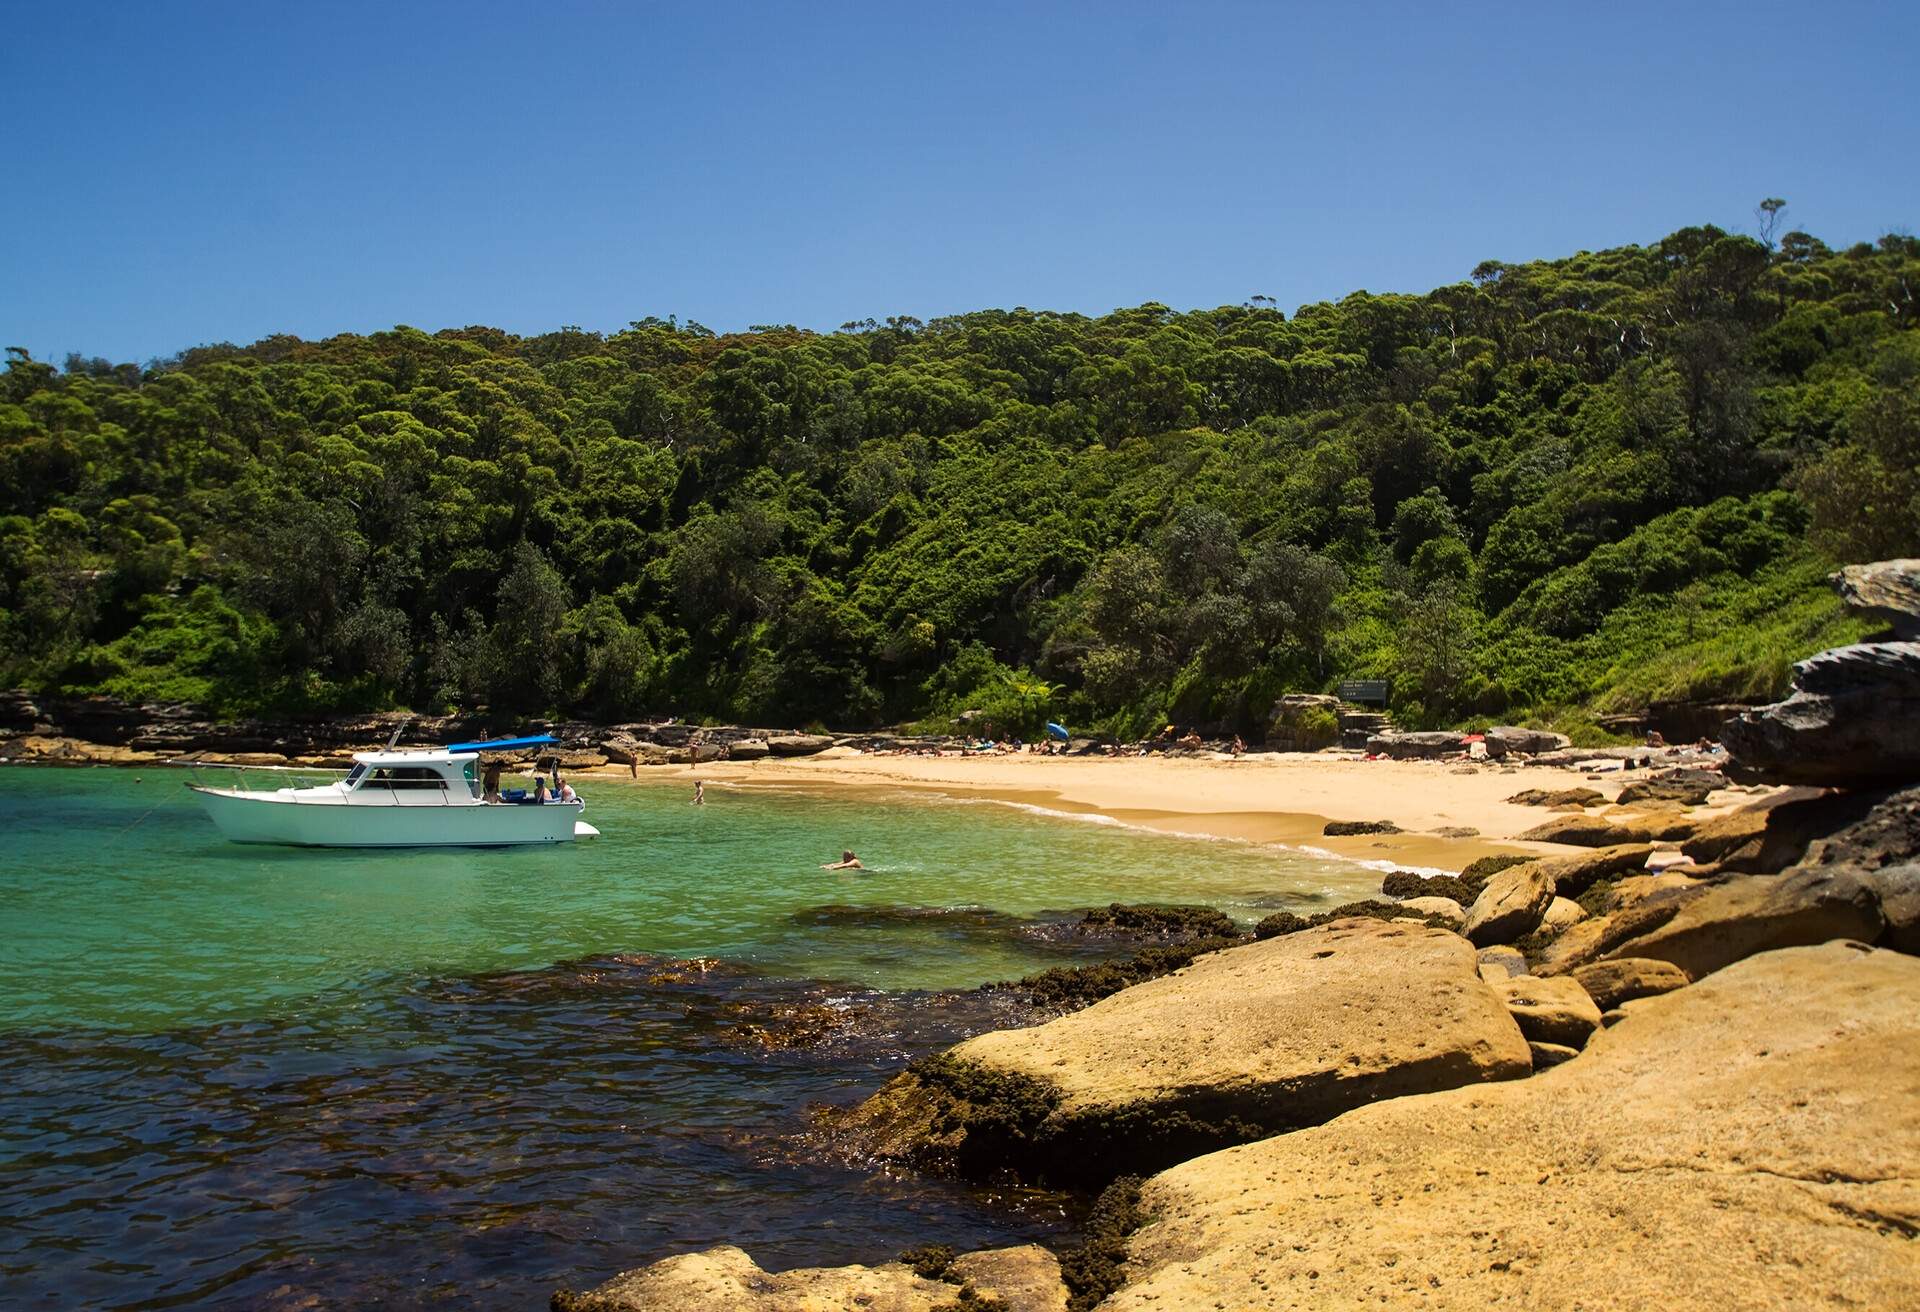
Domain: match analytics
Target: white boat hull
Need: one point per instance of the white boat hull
(307, 821)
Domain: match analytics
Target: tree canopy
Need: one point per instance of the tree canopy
(1491, 494)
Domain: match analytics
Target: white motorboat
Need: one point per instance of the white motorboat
(397, 799)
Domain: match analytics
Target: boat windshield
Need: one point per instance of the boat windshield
(355, 775)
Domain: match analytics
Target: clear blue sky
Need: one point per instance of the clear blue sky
(184, 173)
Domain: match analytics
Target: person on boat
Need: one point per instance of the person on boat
(539, 788)
(490, 783)
(565, 793)
(847, 861)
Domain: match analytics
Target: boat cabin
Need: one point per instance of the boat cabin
(406, 775)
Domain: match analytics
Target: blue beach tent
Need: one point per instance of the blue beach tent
(1058, 731)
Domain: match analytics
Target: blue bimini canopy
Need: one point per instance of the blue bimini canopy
(503, 744)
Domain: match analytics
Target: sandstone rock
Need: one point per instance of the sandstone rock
(1561, 914)
(1853, 720)
(1632, 890)
(1898, 888)
(1304, 722)
(1558, 797)
(726, 1279)
(1749, 914)
(1500, 963)
(1425, 745)
(1444, 907)
(1748, 1142)
(1586, 831)
(1546, 1055)
(748, 749)
(1510, 905)
(1281, 1033)
(1768, 837)
(1505, 738)
(1888, 590)
(1026, 1279)
(1682, 787)
(1575, 873)
(1622, 979)
(1874, 830)
(798, 744)
(1556, 1010)
(1351, 828)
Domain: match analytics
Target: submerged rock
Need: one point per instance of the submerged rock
(1746, 1142)
(1853, 720)
(1243, 1043)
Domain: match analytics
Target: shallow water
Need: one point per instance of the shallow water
(244, 1076)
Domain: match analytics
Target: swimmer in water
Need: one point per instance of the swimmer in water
(847, 861)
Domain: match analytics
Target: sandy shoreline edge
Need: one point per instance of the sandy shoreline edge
(1266, 798)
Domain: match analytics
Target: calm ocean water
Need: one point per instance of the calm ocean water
(247, 1077)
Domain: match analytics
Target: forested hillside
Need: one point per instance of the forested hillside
(1554, 490)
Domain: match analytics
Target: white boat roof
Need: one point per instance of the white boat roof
(435, 757)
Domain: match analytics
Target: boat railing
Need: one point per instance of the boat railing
(298, 776)
(325, 774)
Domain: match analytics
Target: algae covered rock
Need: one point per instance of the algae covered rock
(1247, 1042)
(1744, 1143)
(1445, 909)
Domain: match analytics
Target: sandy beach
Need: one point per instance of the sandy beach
(1264, 798)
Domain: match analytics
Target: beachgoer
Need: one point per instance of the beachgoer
(1239, 746)
(847, 861)
(699, 792)
(1655, 738)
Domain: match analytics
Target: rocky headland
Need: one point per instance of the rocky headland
(1669, 1058)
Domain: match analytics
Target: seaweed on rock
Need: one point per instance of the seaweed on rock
(1096, 1268)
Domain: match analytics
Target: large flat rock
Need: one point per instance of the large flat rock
(1282, 1033)
(1751, 1142)
(1750, 914)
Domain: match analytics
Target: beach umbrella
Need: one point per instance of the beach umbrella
(1057, 731)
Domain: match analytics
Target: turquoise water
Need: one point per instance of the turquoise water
(246, 1078)
(125, 908)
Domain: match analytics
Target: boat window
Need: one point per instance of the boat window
(355, 775)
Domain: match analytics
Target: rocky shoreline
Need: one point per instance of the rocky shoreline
(1626, 1075)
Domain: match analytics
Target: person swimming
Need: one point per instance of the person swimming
(847, 861)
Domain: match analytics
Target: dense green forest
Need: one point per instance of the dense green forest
(1556, 490)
